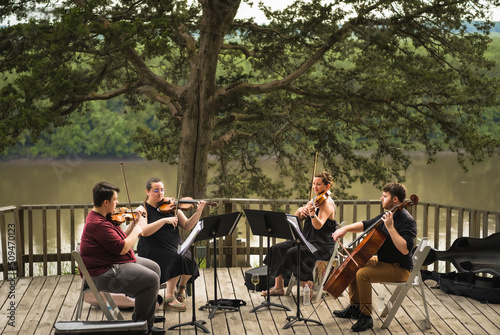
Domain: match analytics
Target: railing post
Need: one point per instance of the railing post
(460, 224)
(4, 241)
(231, 241)
(30, 241)
(425, 218)
(44, 241)
(485, 224)
(58, 240)
(19, 218)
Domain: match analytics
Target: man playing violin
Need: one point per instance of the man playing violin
(393, 262)
(319, 224)
(160, 240)
(107, 253)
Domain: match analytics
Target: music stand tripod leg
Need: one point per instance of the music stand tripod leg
(216, 305)
(267, 302)
(194, 322)
(293, 319)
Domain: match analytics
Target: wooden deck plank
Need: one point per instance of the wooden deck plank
(233, 318)
(264, 315)
(4, 292)
(12, 295)
(249, 320)
(218, 322)
(42, 301)
(40, 305)
(475, 314)
(68, 308)
(54, 306)
(26, 302)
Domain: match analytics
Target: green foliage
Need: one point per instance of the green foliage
(362, 83)
(105, 129)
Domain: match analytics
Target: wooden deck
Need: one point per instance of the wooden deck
(42, 301)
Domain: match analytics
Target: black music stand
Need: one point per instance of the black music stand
(270, 224)
(189, 243)
(294, 224)
(217, 226)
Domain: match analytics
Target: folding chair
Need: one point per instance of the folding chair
(320, 275)
(403, 287)
(112, 312)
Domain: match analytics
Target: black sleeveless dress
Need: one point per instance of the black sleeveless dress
(161, 247)
(282, 258)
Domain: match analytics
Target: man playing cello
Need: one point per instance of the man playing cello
(393, 262)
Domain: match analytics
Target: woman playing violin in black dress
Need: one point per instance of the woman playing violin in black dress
(159, 241)
(319, 224)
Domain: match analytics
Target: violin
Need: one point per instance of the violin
(123, 214)
(168, 205)
(318, 200)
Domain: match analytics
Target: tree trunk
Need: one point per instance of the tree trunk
(201, 98)
(196, 136)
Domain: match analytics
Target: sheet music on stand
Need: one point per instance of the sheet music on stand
(181, 250)
(292, 219)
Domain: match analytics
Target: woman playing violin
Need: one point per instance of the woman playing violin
(319, 224)
(160, 239)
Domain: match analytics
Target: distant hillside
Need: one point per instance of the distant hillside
(494, 30)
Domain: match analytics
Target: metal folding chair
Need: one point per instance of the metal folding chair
(110, 310)
(402, 288)
(320, 275)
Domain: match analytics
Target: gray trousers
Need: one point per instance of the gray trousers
(140, 280)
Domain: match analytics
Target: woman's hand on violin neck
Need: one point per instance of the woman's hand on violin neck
(200, 205)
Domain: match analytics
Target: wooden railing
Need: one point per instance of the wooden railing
(38, 239)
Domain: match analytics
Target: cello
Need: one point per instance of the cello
(373, 239)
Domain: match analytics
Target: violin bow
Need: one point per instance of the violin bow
(177, 201)
(312, 179)
(126, 188)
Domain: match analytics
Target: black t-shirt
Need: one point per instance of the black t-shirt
(406, 227)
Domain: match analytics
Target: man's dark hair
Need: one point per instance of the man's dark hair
(103, 191)
(396, 190)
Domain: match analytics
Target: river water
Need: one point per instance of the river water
(71, 180)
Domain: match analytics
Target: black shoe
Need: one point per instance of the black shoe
(365, 322)
(352, 311)
(159, 318)
(156, 331)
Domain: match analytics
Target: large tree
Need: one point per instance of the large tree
(360, 82)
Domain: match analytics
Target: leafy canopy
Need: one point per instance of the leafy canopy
(363, 83)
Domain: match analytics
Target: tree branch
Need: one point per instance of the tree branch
(231, 135)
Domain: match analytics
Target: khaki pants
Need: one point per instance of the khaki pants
(360, 289)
